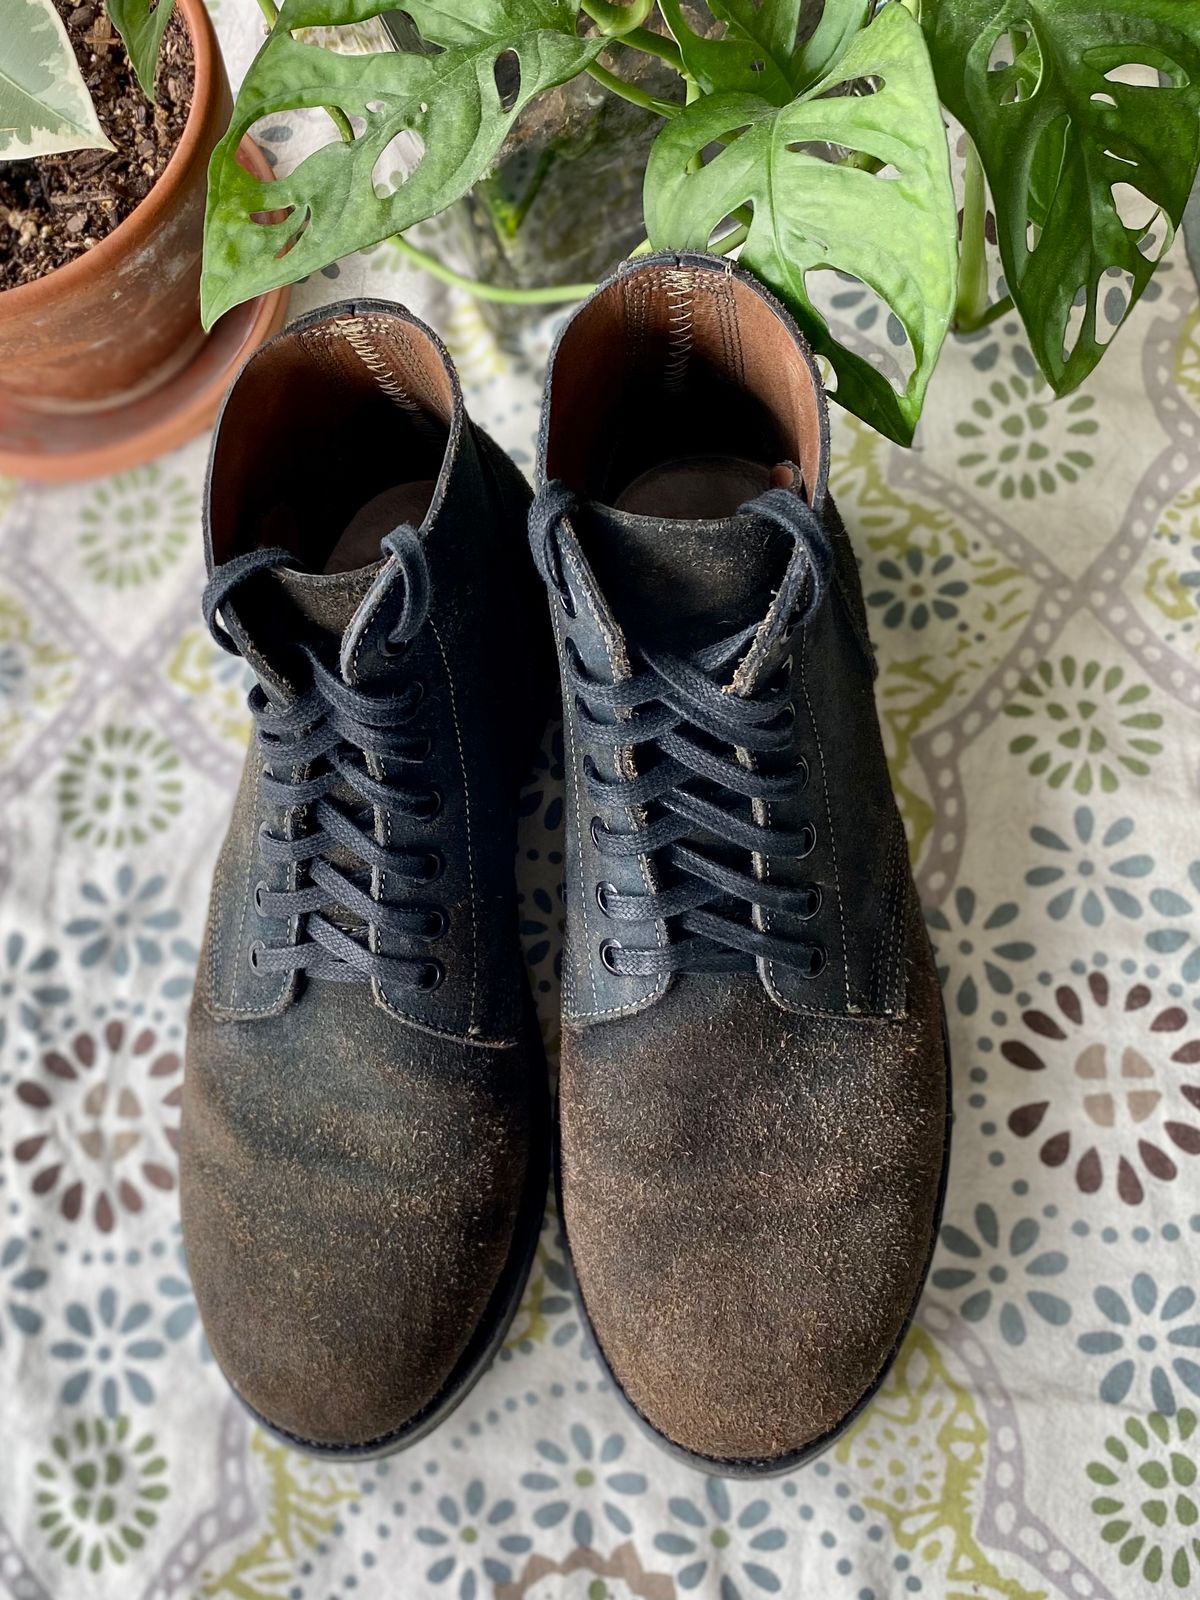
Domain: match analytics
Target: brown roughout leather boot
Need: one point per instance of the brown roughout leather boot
(754, 1097)
(365, 1122)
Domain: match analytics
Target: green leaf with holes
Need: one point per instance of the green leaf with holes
(448, 102)
(141, 24)
(1068, 146)
(44, 103)
(895, 233)
(756, 51)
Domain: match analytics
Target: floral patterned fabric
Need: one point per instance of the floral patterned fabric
(1032, 572)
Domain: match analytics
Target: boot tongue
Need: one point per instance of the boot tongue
(322, 605)
(678, 584)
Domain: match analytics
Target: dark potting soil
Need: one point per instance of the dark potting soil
(54, 208)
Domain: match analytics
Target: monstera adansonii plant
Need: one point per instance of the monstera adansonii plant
(809, 136)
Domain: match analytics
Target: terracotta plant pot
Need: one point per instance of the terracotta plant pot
(82, 347)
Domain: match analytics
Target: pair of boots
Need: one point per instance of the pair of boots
(753, 1101)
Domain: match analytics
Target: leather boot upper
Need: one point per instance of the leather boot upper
(753, 1093)
(364, 1103)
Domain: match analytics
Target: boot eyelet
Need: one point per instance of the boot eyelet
(260, 888)
(817, 962)
(565, 599)
(810, 834)
(603, 890)
(606, 955)
(433, 975)
(253, 953)
(816, 899)
(423, 751)
(434, 865)
(430, 806)
(594, 827)
(807, 771)
(571, 650)
(436, 923)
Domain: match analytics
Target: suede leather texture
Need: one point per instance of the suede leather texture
(363, 1166)
(750, 1198)
(751, 1163)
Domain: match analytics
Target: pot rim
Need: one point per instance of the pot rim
(124, 238)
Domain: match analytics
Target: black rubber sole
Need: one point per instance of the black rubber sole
(773, 1466)
(484, 1343)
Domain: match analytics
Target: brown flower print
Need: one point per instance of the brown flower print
(103, 1122)
(1116, 1081)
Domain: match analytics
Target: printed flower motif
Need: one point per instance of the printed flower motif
(1017, 410)
(468, 1534)
(998, 1272)
(1159, 1528)
(183, 1318)
(18, 1280)
(214, 682)
(955, 935)
(12, 669)
(720, 1538)
(97, 1492)
(917, 588)
(27, 989)
(1140, 1327)
(1089, 869)
(1091, 725)
(37, 671)
(1172, 573)
(137, 526)
(579, 1467)
(109, 1346)
(1171, 941)
(1110, 1089)
(127, 922)
(97, 1131)
(119, 786)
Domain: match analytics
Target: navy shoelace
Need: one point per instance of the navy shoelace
(340, 753)
(692, 790)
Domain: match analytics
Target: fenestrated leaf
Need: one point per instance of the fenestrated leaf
(733, 62)
(840, 21)
(141, 24)
(1036, 83)
(895, 233)
(44, 103)
(450, 101)
(482, 22)
(756, 53)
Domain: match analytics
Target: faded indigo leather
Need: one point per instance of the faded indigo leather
(364, 1162)
(752, 1155)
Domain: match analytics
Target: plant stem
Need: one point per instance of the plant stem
(972, 261)
(615, 20)
(986, 318)
(335, 114)
(654, 44)
(630, 91)
(548, 295)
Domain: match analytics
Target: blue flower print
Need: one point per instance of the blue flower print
(1183, 939)
(469, 1539)
(18, 1281)
(108, 1346)
(582, 1470)
(1083, 869)
(1002, 1272)
(716, 1540)
(960, 942)
(1145, 1333)
(126, 924)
